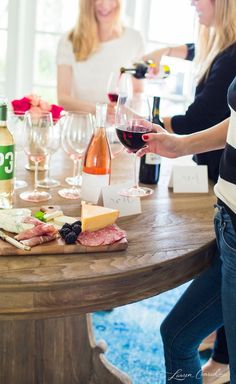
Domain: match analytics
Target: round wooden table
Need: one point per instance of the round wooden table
(45, 331)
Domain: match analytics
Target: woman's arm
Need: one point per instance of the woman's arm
(64, 87)
(172, 145)
(180, 51)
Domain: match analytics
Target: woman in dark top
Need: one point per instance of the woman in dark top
(216, 63)
(210, 300)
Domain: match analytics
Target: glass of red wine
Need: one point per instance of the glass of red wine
(131, 123)
(117, 84)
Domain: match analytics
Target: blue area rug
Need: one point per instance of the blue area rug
(132, 333)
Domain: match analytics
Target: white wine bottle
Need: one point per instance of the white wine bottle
(96, 171)
(7, 160)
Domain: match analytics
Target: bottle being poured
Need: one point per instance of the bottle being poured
(97, 160)
(145, 69)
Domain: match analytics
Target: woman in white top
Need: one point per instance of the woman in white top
(97, 46)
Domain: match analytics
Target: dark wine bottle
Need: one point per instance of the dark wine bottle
(150, 164)
(142, 70)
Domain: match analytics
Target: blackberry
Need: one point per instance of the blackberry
(78, 222)
(64, 231)
(66, 225)
(76, 228)
(71, 238)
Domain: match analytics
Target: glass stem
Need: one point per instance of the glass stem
(48, 158)
(36, 163)
(79, 164)
(75, 162)
(135, 171)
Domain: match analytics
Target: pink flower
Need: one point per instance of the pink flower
(44, 105)
(35, 111)
(21, 106)
(56, 111)
(34, 100)
(36, 106)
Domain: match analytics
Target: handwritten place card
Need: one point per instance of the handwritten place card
(190, 179)
(126, 205)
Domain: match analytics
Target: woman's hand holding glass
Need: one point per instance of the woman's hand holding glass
(76, 133)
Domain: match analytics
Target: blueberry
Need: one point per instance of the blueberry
(76, 228)
(71, 238)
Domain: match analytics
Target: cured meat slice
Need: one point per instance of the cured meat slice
(31, 220)
(38, 230)
(105, 236)
(39, 240)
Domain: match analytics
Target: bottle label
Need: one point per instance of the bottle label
(152, 159)
(6, 162)
(92, 186)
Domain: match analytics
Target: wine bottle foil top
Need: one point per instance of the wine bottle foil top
(3, 110)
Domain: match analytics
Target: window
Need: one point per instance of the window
(50, 25)
(3, 39)
(30, 30)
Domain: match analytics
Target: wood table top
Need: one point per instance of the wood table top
(168, 244)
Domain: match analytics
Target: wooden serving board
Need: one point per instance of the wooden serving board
(58, 247)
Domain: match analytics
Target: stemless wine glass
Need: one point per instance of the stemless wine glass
(16, 126)
(76, 133)
(132, 113)
(38, 136)
(49, 182)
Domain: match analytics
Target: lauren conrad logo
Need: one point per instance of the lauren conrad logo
(179, 375)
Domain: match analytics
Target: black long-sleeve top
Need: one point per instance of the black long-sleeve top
(210, 105)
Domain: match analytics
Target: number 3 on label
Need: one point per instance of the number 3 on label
(8, 158)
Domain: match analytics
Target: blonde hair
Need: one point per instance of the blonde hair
(84, 36)
(214, 40)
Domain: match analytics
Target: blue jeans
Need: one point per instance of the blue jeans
(200, 311)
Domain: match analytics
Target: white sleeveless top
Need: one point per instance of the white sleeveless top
(90, 77)
(225, 189)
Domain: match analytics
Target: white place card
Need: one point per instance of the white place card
(126, 205)
(190, 179)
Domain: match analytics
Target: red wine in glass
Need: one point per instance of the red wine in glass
(131, 137)
(113, 97)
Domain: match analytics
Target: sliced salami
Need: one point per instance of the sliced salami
(105, 236)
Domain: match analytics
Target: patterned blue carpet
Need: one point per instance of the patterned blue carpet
(133, 337)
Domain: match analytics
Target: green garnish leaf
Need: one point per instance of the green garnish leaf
(40, 215)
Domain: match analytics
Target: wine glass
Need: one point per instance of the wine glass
(76, 133)
(16, 126)
(38, 135)
(49, 182)
(118, 83)
(131, 123)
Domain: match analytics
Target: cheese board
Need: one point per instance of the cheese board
(58, 247)
(23, 234)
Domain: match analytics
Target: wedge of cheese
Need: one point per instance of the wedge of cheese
(62, 219)
(94, 217)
